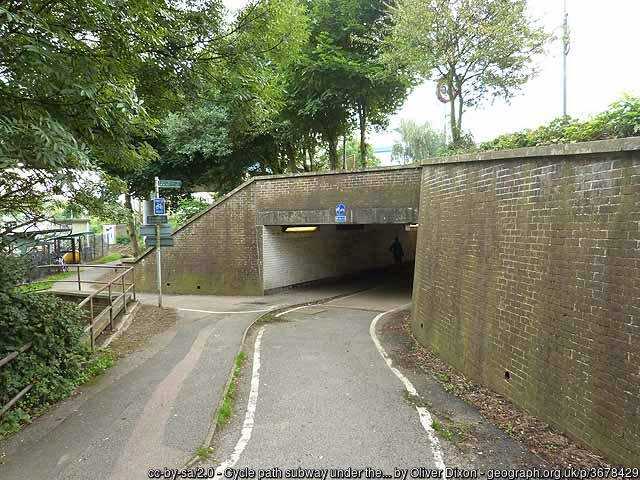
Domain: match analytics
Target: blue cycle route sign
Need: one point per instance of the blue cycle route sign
(340, 213)
(158, 206)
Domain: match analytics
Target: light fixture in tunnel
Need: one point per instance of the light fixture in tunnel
(412, 226)
(300, 229)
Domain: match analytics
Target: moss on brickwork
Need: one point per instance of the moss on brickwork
(526, 269)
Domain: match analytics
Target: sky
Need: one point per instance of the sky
(602, 65)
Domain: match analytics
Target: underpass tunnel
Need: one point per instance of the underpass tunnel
(301, 254)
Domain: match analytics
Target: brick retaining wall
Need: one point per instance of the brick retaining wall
(528, 280)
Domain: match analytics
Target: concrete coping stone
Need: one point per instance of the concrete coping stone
(565, 149)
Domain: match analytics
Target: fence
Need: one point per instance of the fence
(97, 322)
(21, 393)
(42, 253)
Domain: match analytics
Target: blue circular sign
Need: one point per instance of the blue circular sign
(341, 209)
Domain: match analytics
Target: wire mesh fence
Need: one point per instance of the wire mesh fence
(84, 248)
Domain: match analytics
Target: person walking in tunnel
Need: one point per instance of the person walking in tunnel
(397, 251)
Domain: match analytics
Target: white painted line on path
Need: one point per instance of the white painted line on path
(247, 426)
(237, 311)
(425, 416)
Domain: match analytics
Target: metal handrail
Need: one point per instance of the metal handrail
(77, 268)
(108, 284)
(22, 392)
(93, 319)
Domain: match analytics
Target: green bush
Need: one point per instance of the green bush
(620, 120)
(123, 240)
(55, 364)
(187, 208)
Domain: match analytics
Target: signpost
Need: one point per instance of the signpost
(150, 230)
(169, 183)
(162, 232)
(341, 210)
(164, 241)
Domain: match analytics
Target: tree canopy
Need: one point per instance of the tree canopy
(96, 101)
(476, 49)
(418, 141)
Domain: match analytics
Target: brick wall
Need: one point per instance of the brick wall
(390, 187)
(293, 258)
(215, 253)
(528, 266)
(220, 251)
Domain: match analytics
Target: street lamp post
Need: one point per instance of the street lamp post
(565, 51)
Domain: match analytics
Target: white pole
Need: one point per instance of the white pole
(158, 254)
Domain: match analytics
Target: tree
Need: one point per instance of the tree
(229, 126)
(187, 208)
(352, 154)
(70, 93)
(318, 87)
(418, 141)
(354, 84)
(214, 95)
(476, 49)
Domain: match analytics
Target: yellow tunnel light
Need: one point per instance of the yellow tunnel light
(412, 226)
(301, 229)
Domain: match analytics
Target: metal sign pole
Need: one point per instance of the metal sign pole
(158, 254)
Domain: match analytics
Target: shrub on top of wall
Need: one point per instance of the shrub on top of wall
(620, 120)
(56, 362)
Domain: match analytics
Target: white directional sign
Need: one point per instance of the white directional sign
(150, 230)
(157, 219)
(164, 241)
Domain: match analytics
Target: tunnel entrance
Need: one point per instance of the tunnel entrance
(301, 255)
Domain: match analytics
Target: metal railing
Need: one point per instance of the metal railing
(21, 393)
(68, 268)
(97, 323)
(117, 285)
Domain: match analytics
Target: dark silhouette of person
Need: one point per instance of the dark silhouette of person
(397, 251)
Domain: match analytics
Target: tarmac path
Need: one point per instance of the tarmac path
(327, 398)
(153, 409)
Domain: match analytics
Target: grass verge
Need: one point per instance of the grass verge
(108, 258)
(98, 364)
(45, 283)
(203, 453)
(271, 318)
(226, 409)
(453, 432)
